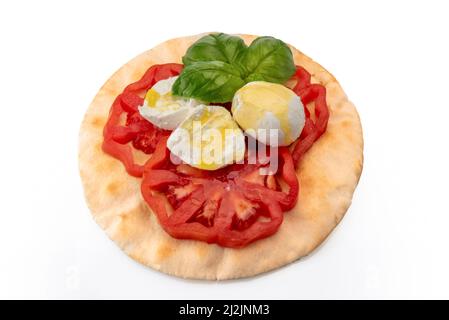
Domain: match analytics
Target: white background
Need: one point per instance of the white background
(391, 57)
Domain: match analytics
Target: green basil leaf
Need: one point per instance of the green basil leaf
(219, 64)
(208, 81)
(268, 59)
(215, 47)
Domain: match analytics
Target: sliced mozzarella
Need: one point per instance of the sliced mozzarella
(163, 109)
(275, 109)
(208, 139)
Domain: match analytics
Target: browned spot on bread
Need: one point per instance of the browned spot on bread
(134, 223)
(358, 164)
(164, 251)
(350, 137)
(108, 165)
(306, 182)
(112, 89)
(346, 124)
(113, 187)
(138, 256)
(98, 146)
(329, 137)
(313, 185)
(98, 122)
(201, 251)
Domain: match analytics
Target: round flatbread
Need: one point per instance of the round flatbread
(328, 175)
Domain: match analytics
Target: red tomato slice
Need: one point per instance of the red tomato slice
(312, 130)
(137, 131)
(302, 78)
(232, 206)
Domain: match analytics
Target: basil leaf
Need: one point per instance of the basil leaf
(208, 81)
(215, 47)
(268, 59)
(219, 64)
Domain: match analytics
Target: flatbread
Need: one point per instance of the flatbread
(328, 175)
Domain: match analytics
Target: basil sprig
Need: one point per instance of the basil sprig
(217, 65)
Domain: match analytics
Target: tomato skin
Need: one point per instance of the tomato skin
(129, 102)
(154, 74)
(125, 134)
(302, 77)
(312, 130)
(141, 133)
(161, 154)
(238, 239)
(119, 151)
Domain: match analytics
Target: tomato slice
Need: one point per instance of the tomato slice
(302, 78)
(312, 130)
(232, 206)
(137, 131)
